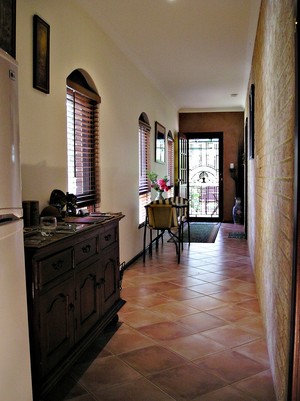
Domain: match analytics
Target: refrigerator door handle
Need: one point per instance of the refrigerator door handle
(7, 218)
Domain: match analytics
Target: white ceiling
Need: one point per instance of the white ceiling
(198, 52)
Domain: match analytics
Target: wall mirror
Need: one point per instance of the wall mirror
(160, 143)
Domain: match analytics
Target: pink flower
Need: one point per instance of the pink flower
(159, 184)
(162, 184)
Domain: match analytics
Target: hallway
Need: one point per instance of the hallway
(188, 332)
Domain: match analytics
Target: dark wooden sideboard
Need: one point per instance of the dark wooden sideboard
(73, 290)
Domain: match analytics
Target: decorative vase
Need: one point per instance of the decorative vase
(159, 195)
(237, 211)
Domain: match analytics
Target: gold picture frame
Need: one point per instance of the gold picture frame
(41, 54)
(8, 26)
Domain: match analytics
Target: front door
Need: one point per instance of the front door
(201, 174)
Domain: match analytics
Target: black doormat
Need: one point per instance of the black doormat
(201, 232)
(237, 234)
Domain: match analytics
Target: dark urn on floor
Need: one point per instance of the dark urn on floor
(237, 211)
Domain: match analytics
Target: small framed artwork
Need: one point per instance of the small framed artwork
(160, 143)
(41, 54)
(251, 121)
(8, 26)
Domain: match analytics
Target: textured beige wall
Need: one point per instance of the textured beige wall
(270, 181)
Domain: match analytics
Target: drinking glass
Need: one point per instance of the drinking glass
(48, 225)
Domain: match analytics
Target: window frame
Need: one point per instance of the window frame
(144, 166)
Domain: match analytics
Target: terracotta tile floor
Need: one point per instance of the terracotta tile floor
(188, 332)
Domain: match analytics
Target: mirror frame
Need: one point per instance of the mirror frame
(160, 143)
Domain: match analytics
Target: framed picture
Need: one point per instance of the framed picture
(251, 122)
(41, 54)
(160, 143)
(8, 26)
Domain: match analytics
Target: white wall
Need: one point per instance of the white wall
(76, 42)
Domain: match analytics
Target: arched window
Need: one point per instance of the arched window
(144, 165)
(83, 139)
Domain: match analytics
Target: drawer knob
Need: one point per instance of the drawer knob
(58, 265)
(107, 237)
(101, 282)
(86, 249)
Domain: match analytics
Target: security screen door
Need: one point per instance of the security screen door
(201, 174)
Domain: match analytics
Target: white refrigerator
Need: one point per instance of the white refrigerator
(15, 371)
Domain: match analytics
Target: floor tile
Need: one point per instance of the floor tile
(231, 296)
(151, 300)
(130, 292)
(251, 304)
(253, 324)
(204, 303)
(225, 394)
(161, 286)
(152, 359)
(231, 313)
(194, 346)
(68, 389)
(130, 307)
(230, 365)
(260, 386)
(164, 331)
(182, 294)
(186, 382)
(124, 340)
(172, 310)
(137, 390)
(103, 373)
(206, 288)
(200, 321)
(230, 336)
(256, 350)
(231, 283)
(187, 281)
(141, 317)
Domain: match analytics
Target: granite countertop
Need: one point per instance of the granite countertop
(34, 237)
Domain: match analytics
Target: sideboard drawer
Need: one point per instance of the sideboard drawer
(86, 249)
(108, 237)
(55, 266)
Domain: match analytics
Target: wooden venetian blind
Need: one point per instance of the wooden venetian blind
(144, 166)
(144, 157)
(83, 146)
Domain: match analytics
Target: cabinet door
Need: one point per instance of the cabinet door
(87, 299)
(56, 323)
(111, 283)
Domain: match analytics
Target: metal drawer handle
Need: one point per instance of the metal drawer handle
(86, 249)
(58, 265)
(107, 237)
(99, 284)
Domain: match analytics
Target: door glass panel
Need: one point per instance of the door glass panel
(183, 166)
(204, 177)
